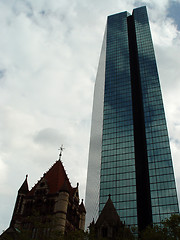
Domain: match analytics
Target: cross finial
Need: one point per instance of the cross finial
(60, 151)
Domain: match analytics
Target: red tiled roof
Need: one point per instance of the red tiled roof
(56, 179)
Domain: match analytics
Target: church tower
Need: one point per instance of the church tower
(51, 206)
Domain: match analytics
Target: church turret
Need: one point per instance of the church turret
(82, 211)
(19, 206)
(24, 187)
(61, 207)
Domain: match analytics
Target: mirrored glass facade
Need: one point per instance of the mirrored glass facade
(129, 134)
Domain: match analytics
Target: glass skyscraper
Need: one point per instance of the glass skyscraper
(129, 154)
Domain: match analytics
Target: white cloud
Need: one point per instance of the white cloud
(167, 45)
(3, 177)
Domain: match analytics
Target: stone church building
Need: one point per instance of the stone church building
(109, 226)
(51, 205)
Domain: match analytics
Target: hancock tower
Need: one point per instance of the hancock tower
(129, 154)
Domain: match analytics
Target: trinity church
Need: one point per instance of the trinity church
(51, 205)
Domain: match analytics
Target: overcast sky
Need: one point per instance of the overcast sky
(49, 53)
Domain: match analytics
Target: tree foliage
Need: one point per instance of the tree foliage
(168, 230)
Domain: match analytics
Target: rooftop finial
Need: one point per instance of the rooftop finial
(60, 151)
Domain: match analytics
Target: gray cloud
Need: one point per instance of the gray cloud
(2, 73)
(50, 137)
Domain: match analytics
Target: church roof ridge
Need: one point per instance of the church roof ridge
(55, 177)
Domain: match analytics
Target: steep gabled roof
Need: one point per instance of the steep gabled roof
(56, 179)
(109, 215)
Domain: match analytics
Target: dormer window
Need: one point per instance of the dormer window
(41, 189)
(41, 192)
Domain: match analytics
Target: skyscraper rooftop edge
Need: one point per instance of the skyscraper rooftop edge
(129, 14)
